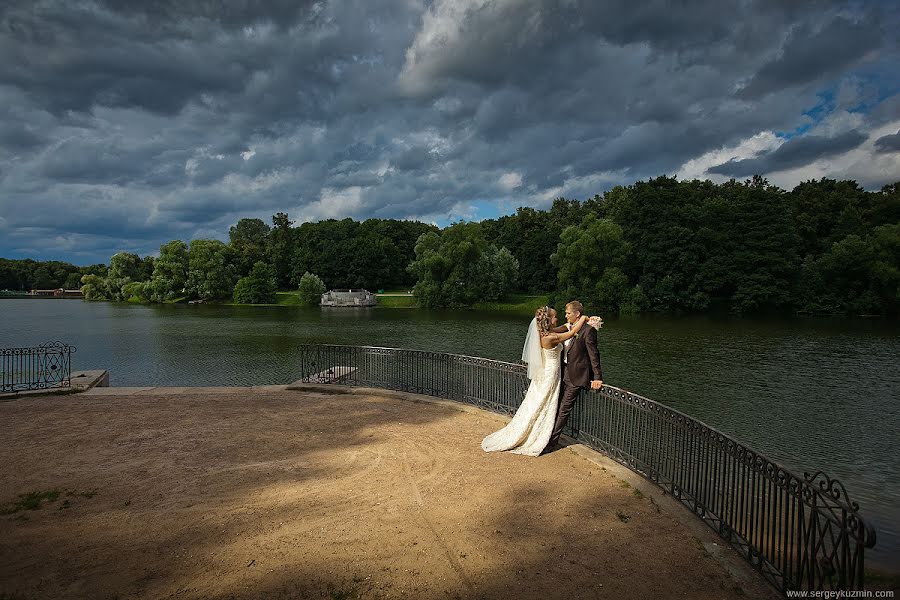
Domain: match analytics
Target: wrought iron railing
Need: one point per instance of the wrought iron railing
(46, 366)
(800, 533)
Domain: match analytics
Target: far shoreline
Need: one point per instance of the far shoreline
(390, 300)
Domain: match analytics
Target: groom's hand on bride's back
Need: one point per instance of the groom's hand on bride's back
(596, 384)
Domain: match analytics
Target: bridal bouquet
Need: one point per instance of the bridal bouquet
(595, 322)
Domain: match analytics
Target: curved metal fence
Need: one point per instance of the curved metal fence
(46, 366)
(800, 533)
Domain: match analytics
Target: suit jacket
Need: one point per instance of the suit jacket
(583, 359)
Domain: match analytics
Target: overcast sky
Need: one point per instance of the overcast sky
(127, 124)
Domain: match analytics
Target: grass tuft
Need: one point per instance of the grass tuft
(30, 501)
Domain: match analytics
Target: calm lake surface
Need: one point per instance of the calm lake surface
(809, 393)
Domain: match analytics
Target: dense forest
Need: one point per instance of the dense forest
(664, 245)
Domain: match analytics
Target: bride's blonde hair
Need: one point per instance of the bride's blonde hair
(543, 317)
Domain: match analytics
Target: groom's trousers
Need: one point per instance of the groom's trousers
(567, 397)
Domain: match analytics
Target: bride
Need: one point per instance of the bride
(530, 428)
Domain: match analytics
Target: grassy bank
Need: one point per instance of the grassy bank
(281, 299)
(520, 303)
(288, 299)
(397, 302)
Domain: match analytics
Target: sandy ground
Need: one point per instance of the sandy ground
(269, 493)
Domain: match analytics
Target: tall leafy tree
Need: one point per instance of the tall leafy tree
(310, 289)
(124, 268)
(248, 240)
(589, 259)
(93, 287)
(259, 287)
(281, 247)
(762, 247)
(826, 211)
(458, 268)
(170, 272)
(211, 273)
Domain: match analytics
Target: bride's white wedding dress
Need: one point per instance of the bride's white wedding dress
(530, 428)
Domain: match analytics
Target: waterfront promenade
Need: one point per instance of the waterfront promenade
(277, 493)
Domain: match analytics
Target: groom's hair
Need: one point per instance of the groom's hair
(576, 306)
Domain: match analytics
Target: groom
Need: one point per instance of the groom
(580, 368)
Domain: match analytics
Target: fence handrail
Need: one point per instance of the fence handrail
(789, 528)
(834, 488)
(464, 356)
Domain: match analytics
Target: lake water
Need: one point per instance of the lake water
(809, 393)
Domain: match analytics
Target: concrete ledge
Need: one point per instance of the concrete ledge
(81, 382)
(85, 380)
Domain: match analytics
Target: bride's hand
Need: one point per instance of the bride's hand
(595, 322)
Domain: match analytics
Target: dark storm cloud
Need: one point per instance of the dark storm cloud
(793, 153)
(173, 119)
(237, 13)
(888, 143)
(808, 55)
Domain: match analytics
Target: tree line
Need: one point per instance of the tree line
(663, 245)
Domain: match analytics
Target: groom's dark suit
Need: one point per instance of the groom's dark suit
(580, 367)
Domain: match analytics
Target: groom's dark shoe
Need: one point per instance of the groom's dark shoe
(550, 448)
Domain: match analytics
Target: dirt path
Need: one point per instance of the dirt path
(249, 493)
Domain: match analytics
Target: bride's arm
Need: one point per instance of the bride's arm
(553, 339)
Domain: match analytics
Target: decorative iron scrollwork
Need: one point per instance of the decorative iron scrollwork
(48, 365)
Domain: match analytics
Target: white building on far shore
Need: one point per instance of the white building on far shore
(348, 298)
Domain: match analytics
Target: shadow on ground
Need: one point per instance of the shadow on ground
(249, 494)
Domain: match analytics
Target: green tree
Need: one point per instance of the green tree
(589, 259)
(281, 248)
(458, 268)
(375, 260)
(146, 268)
(248, 240)
(124, 268)
(211, 273)
(886, 266)
(531, 235)
(634, 302)
(856, 275)
(170, 272)
(42, 278)
(73, 281)
(259, 287)
(310, 289)
(135, 291)
(93, 287)
(611, 290)
(762, 246)
(125, 265)
(441, 276)
(826, 211)
(497, 272)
